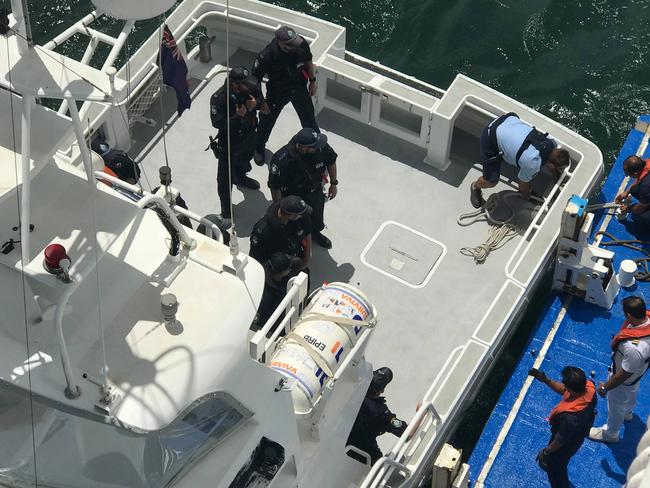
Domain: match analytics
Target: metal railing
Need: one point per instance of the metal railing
(136, 190)
(291, 305)
(400, 459)
(148, 91)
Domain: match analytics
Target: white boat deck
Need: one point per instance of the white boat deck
(382, 180)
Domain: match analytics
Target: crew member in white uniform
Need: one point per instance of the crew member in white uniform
(508, 138)
(630, 359)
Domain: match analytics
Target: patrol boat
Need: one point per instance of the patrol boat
(126, 354)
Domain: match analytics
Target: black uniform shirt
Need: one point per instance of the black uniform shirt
(642, 191)
(573, 427)
(239, 126)
(286, 71)
(269, 235)
(298, 174)
(122, 165)
(373, 420)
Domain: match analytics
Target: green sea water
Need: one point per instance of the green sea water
(585, 64)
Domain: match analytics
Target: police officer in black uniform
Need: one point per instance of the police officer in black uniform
(245, 100)
(276, 270)
(299, 168)
(287, 61)
(286, 228)
(374, 418)
(118, 162)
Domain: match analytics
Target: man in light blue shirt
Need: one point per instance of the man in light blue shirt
(509, 139)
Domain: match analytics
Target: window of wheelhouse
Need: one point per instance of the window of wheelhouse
(196, 431)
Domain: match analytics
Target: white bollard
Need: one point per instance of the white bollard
(626, 272)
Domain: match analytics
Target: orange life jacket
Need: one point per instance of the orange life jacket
(110, 172)
(577, 404)
(644, 172)
(635, 333)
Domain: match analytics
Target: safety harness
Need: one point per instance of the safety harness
(539, 140)
(575, 405)
(626, 334)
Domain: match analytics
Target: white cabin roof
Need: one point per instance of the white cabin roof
(158, 372)
(44, 73)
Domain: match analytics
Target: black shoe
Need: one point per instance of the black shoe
(246, 182)
(259, 157)
(321, 240)
(476, 196)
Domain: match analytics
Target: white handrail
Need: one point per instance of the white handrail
(148, 198)
(361, 343)
(195, 21)
(256, 352)
(162, 204)
(72, 389)
(556, 191)
(100, 175)
(415, 427)
(397, 458)
(70, 31)
(209, 225)
(372, 480)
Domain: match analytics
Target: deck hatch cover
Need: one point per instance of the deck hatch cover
(403, 254)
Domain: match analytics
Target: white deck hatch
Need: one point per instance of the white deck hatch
(404, 254)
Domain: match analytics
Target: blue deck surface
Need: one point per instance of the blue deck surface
(582, 340)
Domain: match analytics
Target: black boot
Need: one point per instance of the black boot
(246, 182)
(476, 197)
(321, 240)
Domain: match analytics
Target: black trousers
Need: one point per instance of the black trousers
(240, 158)
(276, 99)
(316, 200)
(271, 298)
(558, 463)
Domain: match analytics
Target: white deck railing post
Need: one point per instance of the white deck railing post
(25, 204)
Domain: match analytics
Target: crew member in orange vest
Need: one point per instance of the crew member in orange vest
(637, 168)
(630, 359)
(570, 422)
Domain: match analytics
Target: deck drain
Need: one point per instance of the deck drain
(404, 254)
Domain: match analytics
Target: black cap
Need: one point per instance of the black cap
(380, 378)
(310, 138)
(287, 35)
(295, 205)
(240, 74)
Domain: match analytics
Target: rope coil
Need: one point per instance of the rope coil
(501, 230)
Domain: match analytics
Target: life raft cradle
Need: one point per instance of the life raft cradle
(340, 321)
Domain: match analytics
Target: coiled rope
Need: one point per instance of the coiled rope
(643, 273)
(501, 230)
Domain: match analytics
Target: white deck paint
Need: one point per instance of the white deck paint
(381, 178)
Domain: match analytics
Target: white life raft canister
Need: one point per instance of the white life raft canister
(316, 335)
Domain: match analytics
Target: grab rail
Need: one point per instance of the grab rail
(398, 457)
(372, 480)
(296, 293)
(136, 190)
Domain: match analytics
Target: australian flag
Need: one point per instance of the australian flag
(174, 70)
